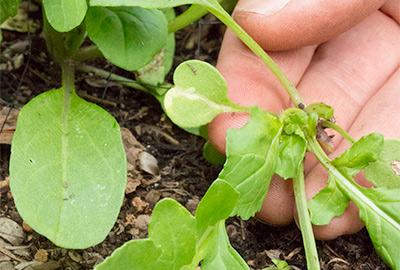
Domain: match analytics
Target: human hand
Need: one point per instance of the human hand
(343, 53)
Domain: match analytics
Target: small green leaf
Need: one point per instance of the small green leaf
(312, 124)
(293, 119)
(323, 110)
(251, 160)
(385, 172)
(127, 36)
(217, 204)
(8, 8)
(292, 149)
(172, 227)
(212, 155)
(360, 154)
(200, 94)
(141, 254)
(280, 265)
(67, 169)
(65, 15)
(217, 253)
(328, 203)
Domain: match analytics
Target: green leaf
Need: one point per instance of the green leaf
(177, 240)
(214, 248)
(127, 36)
(64, 15)
(385, 172)
(360, 154)
(323, 110)
(200, 94)
(171, 243)
(292, 149)
(173, 228)
(251, 160)
(8, 8)
(67, 169)
(140, 254)
(330, 202)
(212, 155)
(294, 119)
(151, 4)
(218, 252)
(382, 220)
(154, 72)
(217, 204)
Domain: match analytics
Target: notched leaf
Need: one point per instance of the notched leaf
(360, 154)
(385, 171)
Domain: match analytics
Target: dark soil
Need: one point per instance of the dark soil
(185, 175)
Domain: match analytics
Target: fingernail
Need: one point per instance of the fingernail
(264, 7)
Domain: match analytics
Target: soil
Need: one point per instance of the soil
(184, 174)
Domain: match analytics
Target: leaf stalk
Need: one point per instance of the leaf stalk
(305, 221)
(221, 14)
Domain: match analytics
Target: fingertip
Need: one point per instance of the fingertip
(301, 23)
(220, 124)
(277, 209)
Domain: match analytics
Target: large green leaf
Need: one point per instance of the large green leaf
(67, 169)
(385, 172)
(251, 160)
(381, 215)
(64, 15)
(200, 94)
(8, 8)
(127, 36)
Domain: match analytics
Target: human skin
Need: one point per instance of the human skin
(343, 53)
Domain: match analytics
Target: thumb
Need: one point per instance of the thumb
(289, 24)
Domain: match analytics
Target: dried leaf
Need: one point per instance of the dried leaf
(148, 163)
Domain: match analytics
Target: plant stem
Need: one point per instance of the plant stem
(114, 77)
(305, 222)
(194, 13)
(219, 12)
(87, 53)
(339, 129)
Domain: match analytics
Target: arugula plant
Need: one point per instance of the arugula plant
(69, 171)
(268, 144)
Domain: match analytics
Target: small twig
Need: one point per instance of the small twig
(85, 95)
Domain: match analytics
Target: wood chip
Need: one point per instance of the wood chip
(41, 255)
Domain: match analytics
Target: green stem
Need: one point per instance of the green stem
(106, 75)
(194, 13)
(219, 12)
(87, 53)
(305, 222)
(341, 131)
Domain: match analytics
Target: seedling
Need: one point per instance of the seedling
(267, 144)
